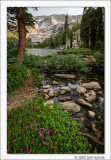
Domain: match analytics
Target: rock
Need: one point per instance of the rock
(55, 83)
(100, 92)
(62, 91)
(65, 98)
(46, 96)
(83, 102)
(46, 87)
(51, 93)
(91, 114)
(90, 96)
(71, 106)
(49, 103)
(66, 88)
(81, 90)
(69, 76)
(56, 93)
(91, 85)
(46, 90)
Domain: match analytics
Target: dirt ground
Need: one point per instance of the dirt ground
(26, 92)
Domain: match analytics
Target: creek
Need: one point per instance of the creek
(92, 128)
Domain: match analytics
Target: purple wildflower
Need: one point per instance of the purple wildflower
(20, 121)
(31, 126)
(8, 149)
(14, 140)
(20, 149)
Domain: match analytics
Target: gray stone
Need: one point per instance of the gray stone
(69, 76)
(81, 90)
(71, 106)
(91, 114)
(62, 91)
(65, 98)
(83, 102)
(91, 85)
(56, 93)
(66, 88)
(90, 98)
(46, 87)
(51, 93)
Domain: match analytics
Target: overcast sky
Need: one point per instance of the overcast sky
(57, 10)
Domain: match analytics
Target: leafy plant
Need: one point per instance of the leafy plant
(36, 76)
(34, 127)
(15, 76)
(99, 57)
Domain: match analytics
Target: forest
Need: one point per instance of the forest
(55, 103)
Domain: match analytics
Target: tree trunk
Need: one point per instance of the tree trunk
(89, 37)
(22, 36)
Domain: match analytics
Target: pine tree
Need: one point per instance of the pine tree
(21, 17)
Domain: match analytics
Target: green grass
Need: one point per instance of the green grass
(35, 128)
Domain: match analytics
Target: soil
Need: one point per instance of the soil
(26, 92)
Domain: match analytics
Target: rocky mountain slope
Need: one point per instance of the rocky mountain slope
(50, 25)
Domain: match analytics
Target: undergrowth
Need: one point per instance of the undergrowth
(34, 127)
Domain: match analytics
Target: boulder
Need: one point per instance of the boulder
(91, 114)
(66, 88)
(71, 106)
(46, 90)
(91, 85)
(55, 83)
(84, 103)
(69, 76)
(62, 91)
(51, 93)
(65, 98)
(90, 96)
(46, 96)
(46, 87)
(81, 90)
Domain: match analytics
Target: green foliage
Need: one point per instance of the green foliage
(33, 61)
(92, 20)
(79, 51)
(35, 128)
(15, 76)
(99, 57)
(36, 76)
(66, 62)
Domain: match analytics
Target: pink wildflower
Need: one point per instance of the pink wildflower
(29, 122)
(31, 105)
(38, 126)
(30, 150)
(32, 142)
(20, 121)
(37, 139)
(22, 107)
(13, 107)
(13, 121)
(21, 114)
(9, 131)
(39, 144)
(15, 116)
(14, 140)
(47, 144)
(40, 111)
(40, 134)
(31, 126)
(20, 149)
(26, 118)
(48, 132)
(43, 130)
(35, 129)
(8, 149)
(34, 122)
(25, 144)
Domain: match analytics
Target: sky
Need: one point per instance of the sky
(57, 10)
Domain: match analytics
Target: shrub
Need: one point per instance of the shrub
(33, 61)
(35, 128)
(15, 76)
(99, 57)
(78, 51)
(36, 76)
(66, 62)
